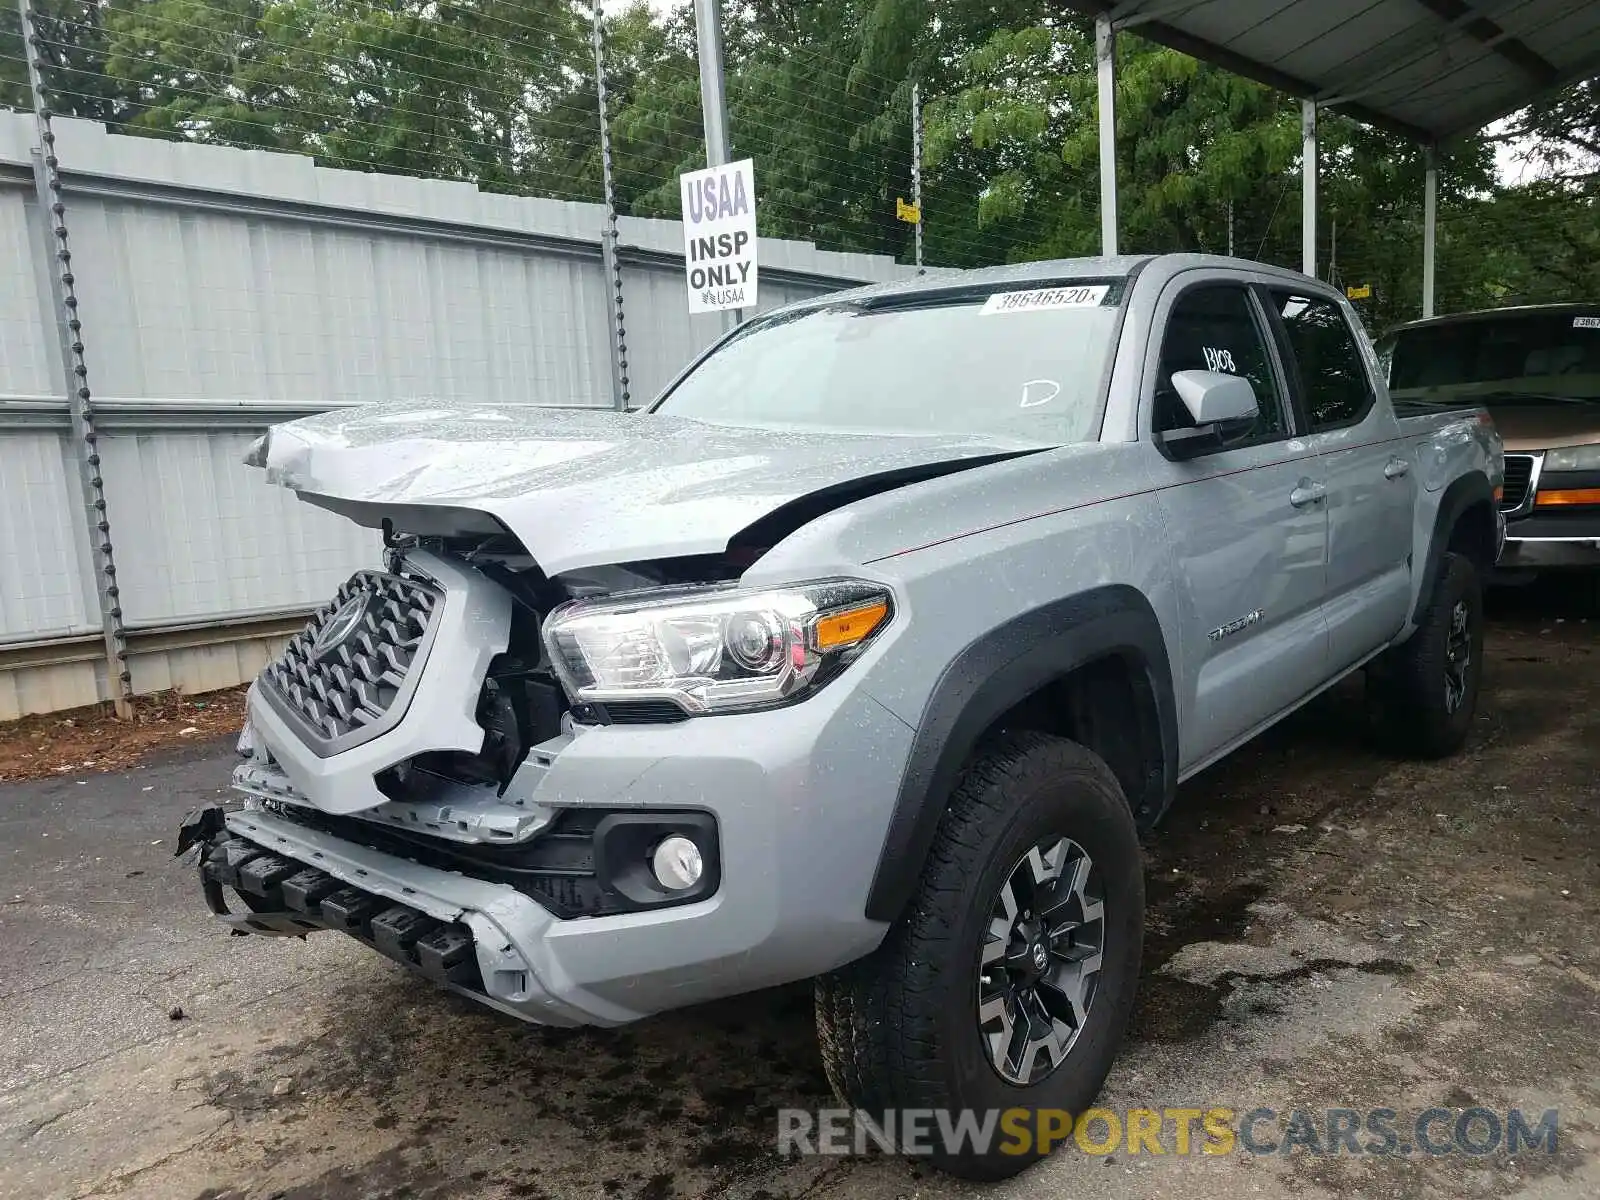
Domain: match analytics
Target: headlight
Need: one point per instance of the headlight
(712, 650)
(1573, 458)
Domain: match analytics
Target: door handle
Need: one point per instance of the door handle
(1307, 493)
(1395, 468)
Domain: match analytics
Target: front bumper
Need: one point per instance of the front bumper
(1545, 553)
(800, 797)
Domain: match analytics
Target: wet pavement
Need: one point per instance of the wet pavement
(1329, 927)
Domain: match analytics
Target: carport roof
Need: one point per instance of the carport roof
(1424, 68)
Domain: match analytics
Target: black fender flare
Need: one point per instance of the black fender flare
(990, 676)
(1462, 494)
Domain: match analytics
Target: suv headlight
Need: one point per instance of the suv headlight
(713, 650)
(1573, 458)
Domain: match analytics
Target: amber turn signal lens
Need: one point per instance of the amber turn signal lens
(841, 629)
(1553, 499)
(1499, 494)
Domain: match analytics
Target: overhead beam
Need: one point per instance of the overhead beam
(1229, 60)
(1584, 69)
(1132, 13)
(1362, 77)
(1481, 29)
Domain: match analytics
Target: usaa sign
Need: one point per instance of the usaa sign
(719, 236)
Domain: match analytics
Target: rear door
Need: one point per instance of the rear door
(1370, 475)
(1246, 523)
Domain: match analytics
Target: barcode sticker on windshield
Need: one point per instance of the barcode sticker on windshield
(1042, 298)
(1586, 322)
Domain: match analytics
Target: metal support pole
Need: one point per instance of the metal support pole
(1308, 179)
(610, 265)
(916, 165)
(1430, 228)
(1230, 226)
(75, 374)
(1105, 54)
(713, 98)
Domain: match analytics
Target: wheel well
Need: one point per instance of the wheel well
(1474, 535)
(1107, 706)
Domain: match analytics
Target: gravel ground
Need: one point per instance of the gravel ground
(1329, 927)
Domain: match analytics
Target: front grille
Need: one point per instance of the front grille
(345, 678)
(1519, 475)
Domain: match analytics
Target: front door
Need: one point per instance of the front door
(1247, 524)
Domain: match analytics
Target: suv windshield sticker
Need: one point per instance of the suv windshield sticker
(1586, 322)
(1089, 296)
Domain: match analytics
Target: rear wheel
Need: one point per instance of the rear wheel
(1009, 982)
(1422, 694)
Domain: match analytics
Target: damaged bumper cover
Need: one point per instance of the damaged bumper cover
(469, 935)
(563, 929)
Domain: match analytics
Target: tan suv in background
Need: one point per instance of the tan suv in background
(1537, 370)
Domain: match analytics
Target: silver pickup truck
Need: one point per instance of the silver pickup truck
(866, 654)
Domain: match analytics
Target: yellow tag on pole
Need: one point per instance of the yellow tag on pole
(1359, 292)
(909, 213)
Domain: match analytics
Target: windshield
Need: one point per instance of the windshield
(1534, 358)
(1019, 365)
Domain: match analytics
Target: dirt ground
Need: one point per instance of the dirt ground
(1329, 927)
(91, 740)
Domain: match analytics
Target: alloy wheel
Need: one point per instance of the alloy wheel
(1039, 965)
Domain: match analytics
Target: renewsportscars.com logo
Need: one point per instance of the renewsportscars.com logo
(1212, 1131)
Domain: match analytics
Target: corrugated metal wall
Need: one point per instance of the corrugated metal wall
(222, 290)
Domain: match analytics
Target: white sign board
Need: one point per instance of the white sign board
(719, 236)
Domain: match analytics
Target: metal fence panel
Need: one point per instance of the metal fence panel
(226, 289)
(43, 588)
(26, 346)
(226, 543)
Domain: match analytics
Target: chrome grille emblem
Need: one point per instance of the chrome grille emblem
(341, 626)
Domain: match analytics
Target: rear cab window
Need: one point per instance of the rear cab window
(1326, 359)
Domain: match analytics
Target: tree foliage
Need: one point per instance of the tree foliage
(502, 92)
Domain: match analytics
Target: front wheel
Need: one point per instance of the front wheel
(1422, 694)
(1009, 982)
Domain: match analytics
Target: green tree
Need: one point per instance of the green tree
(452, 91)
(1561, 132)
(72, 59)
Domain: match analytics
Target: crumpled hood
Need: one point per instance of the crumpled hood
(584, 487)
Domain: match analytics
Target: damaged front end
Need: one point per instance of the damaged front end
(482, 760)
(413, 722)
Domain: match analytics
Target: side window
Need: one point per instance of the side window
(1214, 328)
(1332, 374)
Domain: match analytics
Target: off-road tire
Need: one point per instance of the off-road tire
(898, 1029)
(1406, 687)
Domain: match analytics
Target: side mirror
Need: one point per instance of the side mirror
(1218, 404)
(1215, 398)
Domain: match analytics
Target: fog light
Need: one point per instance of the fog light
(677, 863)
